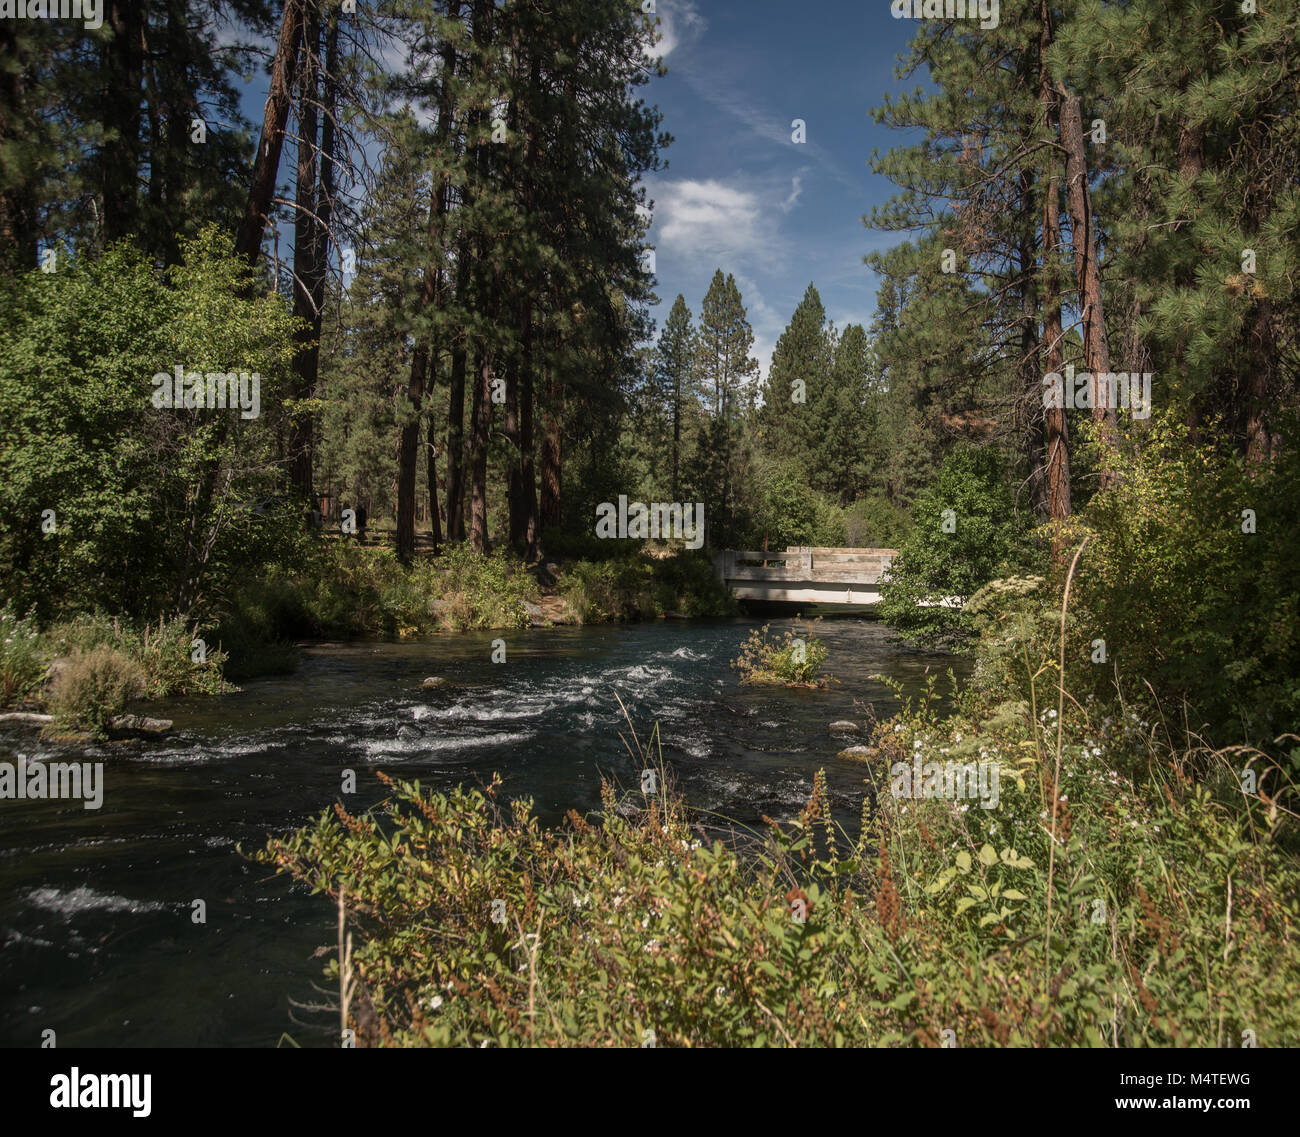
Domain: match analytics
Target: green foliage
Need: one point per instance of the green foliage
(788, 512)
(475, 926)
(152, 509)
(484, 591)
(617, 590)
(22, 663)
(641, 587)
(344, 589)
(964, 533)
(686, 584)
(92, 686)
(874, 523)
(1184, 599)
(794, 660)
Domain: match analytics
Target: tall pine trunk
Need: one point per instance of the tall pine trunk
(480, 421)
(1056, 441)
(1083, 237)
(307, 248)
(275, 115)
(456, 417)
(423, 359)
(121, 118)
(552, 451)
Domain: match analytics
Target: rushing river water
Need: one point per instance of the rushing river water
(95, 905)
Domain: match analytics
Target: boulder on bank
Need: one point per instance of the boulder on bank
(138, 726)
(858, 753)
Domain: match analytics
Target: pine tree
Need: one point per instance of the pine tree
(723, 365)
(798, 386)
(674, 369)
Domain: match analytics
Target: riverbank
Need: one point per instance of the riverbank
(88, 670)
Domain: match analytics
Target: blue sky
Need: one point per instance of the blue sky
(738, 194)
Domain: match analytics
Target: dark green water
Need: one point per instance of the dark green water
(95, 905)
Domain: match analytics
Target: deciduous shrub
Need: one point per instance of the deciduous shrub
(794, 660)
(92, 686)
(965, 532)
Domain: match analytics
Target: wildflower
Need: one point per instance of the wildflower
(435, 1002)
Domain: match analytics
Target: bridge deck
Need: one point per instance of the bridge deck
(805, 574)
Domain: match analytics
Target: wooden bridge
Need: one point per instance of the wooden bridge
(805, 575)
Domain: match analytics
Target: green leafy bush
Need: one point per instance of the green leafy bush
(789, 512)
(613, 590)
(485, 591)
(22, 662)
(794, 660)
(641, 587)
(152, 507)
(1186, 601)
(874, 523)
(685, 583)
(965, 532)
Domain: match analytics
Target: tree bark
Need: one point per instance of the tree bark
(552, 452)
(1055, 436)
(18, 231)
(121, 118)
(275, 115)
(307, 247)
(1083, 237)
(480, 420)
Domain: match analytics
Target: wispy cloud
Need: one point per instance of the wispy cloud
(710, 81)
(680, 23)
(796, 188)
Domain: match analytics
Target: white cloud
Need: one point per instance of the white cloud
(707, 217)
(679, 22)
(796, 188)
(711, 221)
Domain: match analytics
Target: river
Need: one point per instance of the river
(99, 944)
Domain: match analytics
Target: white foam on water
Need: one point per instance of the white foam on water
(414, 748)
(16, 937)
(83, 899)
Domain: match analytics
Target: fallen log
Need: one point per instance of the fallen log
(123, 724)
